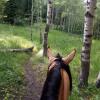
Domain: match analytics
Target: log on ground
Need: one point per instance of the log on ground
(18, 50)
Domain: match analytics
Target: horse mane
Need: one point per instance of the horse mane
(53, 80)
(66, 68)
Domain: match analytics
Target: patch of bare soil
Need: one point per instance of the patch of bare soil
(34, 78)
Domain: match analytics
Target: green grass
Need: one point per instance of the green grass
(64, 43)
(11, 75)
(11, 64)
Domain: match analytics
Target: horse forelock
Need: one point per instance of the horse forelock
(58, 56)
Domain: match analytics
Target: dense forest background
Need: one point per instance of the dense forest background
(67, 15)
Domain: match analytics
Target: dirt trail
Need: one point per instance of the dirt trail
(33, 86)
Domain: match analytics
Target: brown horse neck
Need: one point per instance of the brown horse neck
(64, 91)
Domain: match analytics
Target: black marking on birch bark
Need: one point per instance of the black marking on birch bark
(47, 28)
(45, 32)
(48, 17)
(86, 30)
(88, 14)
(86, 60)
(85, 57)
(95, 8)
(45, 37)
(88, 7)
(88, 36)
(88, 3)
(50, 2)
(50, 6)
(87, 45)
(86, 41)
(85, 51)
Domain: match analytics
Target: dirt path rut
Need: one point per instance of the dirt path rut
(33, 87)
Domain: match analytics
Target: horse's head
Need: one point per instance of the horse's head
(66, 60)
(58, 83)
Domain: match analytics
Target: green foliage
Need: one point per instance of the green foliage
(2, 6)
(61, 42)
(10, 11)
(15, 10)
(2, 2)
(11, 65)
(69, 15)
(64, 43)
(12, 41)
(11, 75)
(19, 11)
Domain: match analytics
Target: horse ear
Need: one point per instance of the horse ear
(70, 57)
(50, 55)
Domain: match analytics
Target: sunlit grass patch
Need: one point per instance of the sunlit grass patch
(11, 64)
(12, 41)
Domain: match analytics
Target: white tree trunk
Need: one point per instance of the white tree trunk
(87, 41)
(31, 19)
(98, 81)
(49, 12)
(40, 21)
(48, 22)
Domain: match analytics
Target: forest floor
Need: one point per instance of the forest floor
(34, 80)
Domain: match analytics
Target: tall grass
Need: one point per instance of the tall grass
(64, 43)
(11, 64)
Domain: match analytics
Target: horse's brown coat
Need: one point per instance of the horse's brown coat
(64, 91)
(65, 86)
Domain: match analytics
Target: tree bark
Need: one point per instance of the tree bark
(69, 21)
(98, 81)
(52, 16)
(40, 20)
(45, 37)
(87, 41)
(31, 20)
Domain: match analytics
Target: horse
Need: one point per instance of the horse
(58, 83)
